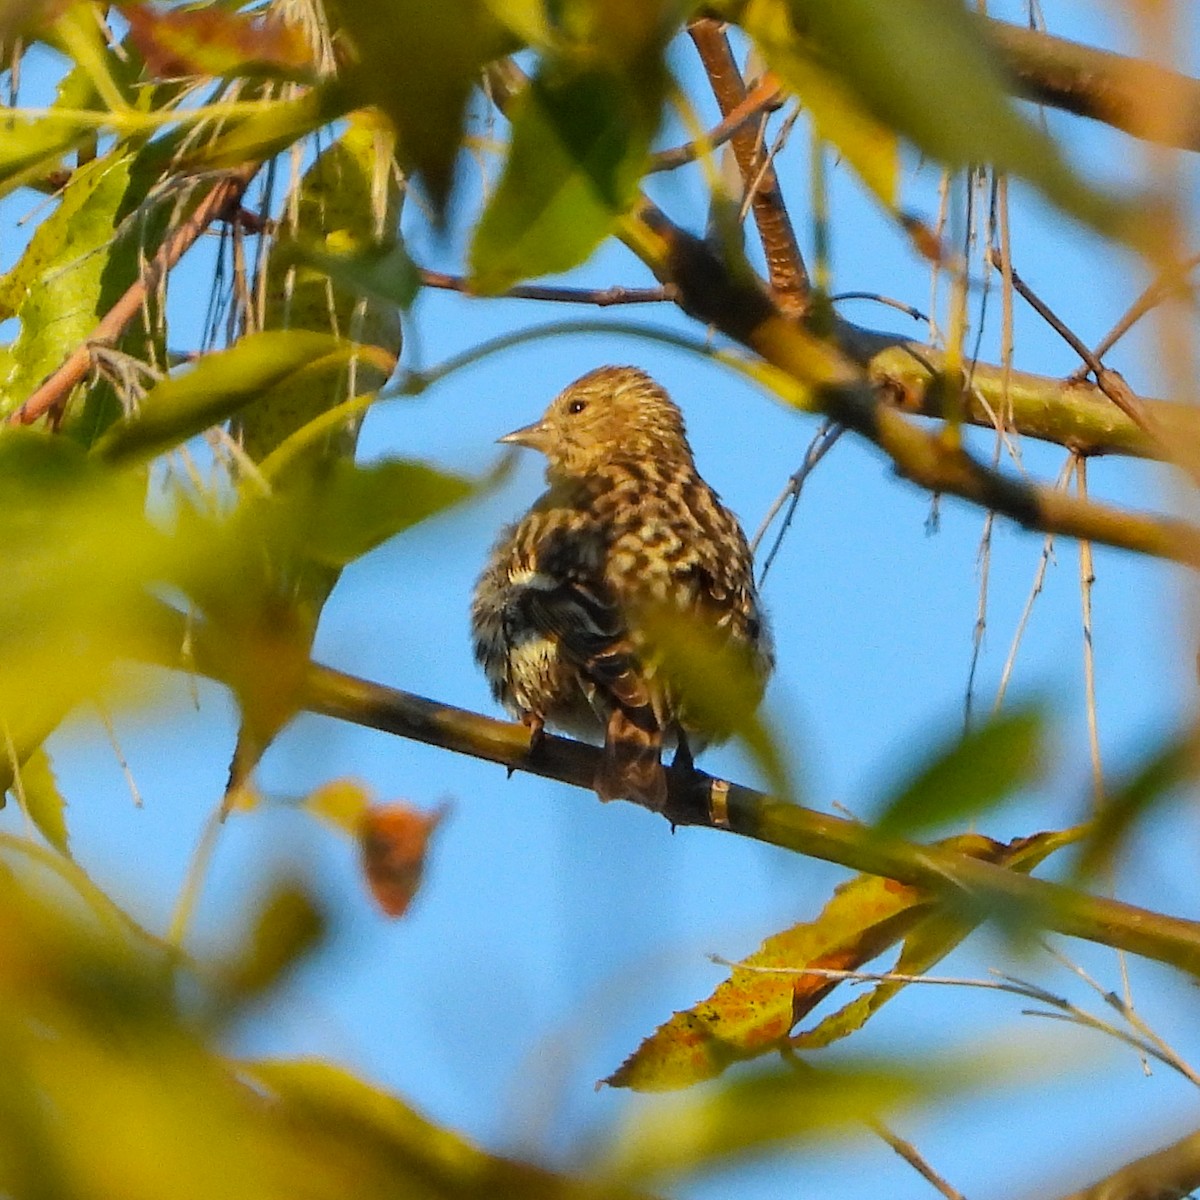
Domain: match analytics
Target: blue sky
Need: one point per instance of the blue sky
(553, 932)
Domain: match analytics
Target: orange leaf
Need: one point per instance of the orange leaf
(211, 41)
(393, 840)
(753, 1011)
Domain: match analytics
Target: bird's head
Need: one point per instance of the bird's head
(610, 415)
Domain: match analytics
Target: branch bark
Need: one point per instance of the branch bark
(1168, 1174)
(700, 799)
(1131, 94)
(734, 301)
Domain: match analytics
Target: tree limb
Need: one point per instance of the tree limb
(734, 301)
(1168, 1174)
(1128, 93)
(785, 264)
(699, 799)
(718, 804)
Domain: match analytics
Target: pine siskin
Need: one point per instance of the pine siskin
(626, 533)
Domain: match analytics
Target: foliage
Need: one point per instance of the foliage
(192, 504)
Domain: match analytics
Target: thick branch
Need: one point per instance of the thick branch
(738, 305)
(717, 804)
(700, 799)
(1139, 97)
(785, 264)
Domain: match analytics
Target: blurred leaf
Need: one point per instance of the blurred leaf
(342, 803)
(985, 766)
(580, 142)
(393, 842)
(718, 687)
(289, 925)
(277, 125)
(217, 386)
(78, 554)
(751, 1113)
(753, 1012)
(419, 62)
(383, 274)
(44, 804)
(1168, 767)
(870, 147)
(211, 40)
(923, 68)
(358, 508)
(340, 1115)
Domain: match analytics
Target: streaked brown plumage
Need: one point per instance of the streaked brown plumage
(627, 530)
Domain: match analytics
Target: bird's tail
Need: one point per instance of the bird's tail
(631, 768)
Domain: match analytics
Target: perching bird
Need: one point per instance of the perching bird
(627, 535)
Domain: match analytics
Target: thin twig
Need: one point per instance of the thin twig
(1109, 382)
(1039, 581)
(823, 441)
(763, 97)
(603, 297)
(53, 393)
(915, 1159)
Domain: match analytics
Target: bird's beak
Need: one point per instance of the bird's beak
(534, 436)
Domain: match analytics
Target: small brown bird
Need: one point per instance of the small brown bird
(626, 536)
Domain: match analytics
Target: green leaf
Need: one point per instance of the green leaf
(216, 387)
(419, 62)
(288, 926)
(1168, 767)
(740, 1116)
(359, 508)
(868, 145)
(923, 68)
(974, 774)
(580, 142)
(43, 803)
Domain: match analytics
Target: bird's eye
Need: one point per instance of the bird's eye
(576, 406)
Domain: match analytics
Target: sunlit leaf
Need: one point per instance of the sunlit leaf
(754, 1011)
(868, 145)
(212, 40)
(932, 936)
(216, 387)
(580, 142)
(979, 770)
(42, 800)
(276, 125)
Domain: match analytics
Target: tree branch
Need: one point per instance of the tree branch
(700, 799)
(785, 264)
(1130, 94)
(53, 393)
(836, 385)
(1165, 1175)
